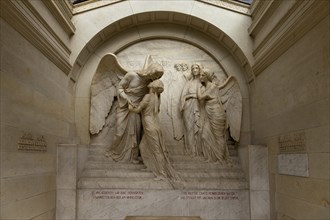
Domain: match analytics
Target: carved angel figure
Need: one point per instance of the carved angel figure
(222, 108)
(112, 80)
(152, 147)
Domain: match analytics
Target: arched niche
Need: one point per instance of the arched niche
(95, 32)
(89, 58)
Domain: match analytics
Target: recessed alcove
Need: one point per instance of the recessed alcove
(278, 51)
(170, 40)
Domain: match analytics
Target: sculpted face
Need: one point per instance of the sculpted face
(203, 76)
(195, 70)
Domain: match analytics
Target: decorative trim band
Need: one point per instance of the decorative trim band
(63, 13)
(25, 19)
(230, 5)
(295, 24)
(226, 4)
(92, 4)
(260, 18)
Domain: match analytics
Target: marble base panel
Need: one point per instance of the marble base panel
(117, 204)
(161, 218)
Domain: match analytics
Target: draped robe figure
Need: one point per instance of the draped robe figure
(213, 139)
(190, 113)
(112, 81)
(128, 126)
(152, 146)
(214, 100)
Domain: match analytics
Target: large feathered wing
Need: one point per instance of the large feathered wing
(103, 90)
(231, 98)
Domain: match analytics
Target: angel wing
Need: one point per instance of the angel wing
(231, 98)
(103, 90)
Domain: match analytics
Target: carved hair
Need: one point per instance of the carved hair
(209, 75)
(154, 69)
(157, 85)
(197, 64)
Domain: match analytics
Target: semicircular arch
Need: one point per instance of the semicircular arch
(133, 29)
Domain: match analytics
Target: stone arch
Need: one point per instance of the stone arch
(151, 25)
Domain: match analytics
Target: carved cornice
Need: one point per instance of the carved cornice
(256, 8)
(92, 4)
(227, 4)
(62, 11)
(230, 5)
(253, 6)
(25, 19)
(301, 18)
(261, 14)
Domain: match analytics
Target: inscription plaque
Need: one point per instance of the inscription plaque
(292, 143)
(161, 218)
(28, 143)
(293, 164)
(118, 194)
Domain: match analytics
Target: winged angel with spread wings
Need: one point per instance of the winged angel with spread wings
(111, 81)
(221, 108)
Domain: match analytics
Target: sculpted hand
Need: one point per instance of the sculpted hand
(131, 107)
(130, 103)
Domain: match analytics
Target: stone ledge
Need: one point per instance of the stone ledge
(161, 218)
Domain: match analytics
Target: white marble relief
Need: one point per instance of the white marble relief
(198, 110)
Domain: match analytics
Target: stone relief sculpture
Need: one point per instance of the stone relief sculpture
(191, 112)
(174, 86)
(221, 107)
(207, 108)
(112, 81)
(153, 150)
(177, 129)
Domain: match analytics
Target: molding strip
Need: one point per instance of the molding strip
(62, 11)
(230, 5)
(261, 15)
(91, 5)
(295, 24)
(42, 24)
(25, 19)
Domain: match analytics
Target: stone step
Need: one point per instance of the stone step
(96, 157)
(150, 183)
(101, 149)
(173, 158)
(118, 183)
(228, 174)
(216, 183)
(113, 165)
(203, 166)
(177, 166)
(123, 173)
(199, 159)
(143, 173)
(97, 150)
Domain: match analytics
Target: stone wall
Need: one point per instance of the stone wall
(36, 115)
(289, 100)
(290, 113)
